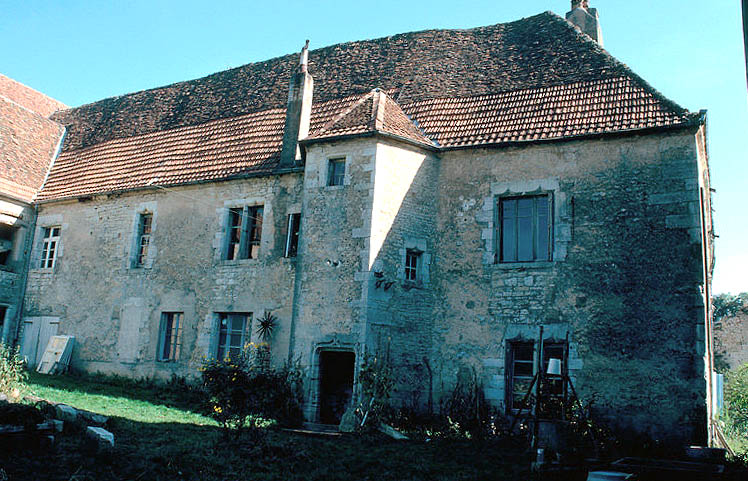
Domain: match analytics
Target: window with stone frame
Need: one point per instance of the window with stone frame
(170, 336)
(233, 334)
(413, 265)
(143, 238)
(521, 368)
(292, 235)
(244, 232)
(336, 171)
(50, 246)
(525, 228)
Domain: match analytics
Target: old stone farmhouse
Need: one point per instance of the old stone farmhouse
(434, 197)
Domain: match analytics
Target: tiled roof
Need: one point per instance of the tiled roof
(28, 97)
(28, 142)
(531, 80)
(245, 145)
(539, 51)
(562, 111)
(373, 112)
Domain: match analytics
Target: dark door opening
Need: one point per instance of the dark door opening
(335, 384)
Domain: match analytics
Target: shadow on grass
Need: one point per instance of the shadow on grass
(146, 451)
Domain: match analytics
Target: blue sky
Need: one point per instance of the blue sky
(692, 51)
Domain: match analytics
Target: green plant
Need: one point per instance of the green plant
(376, 382)
(266, 325)
(240, 394)
(727, 305)
(12, 372)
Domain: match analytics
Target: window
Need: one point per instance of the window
(145, 222)
(412, 261)
(244, 232)
(522, 369)
(170, 336)
(292, 238)
(336, 172)
(50, 245)
(3, 311)
(524, 228)
(232, 334)
(6, 243)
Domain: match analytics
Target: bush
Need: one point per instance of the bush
(12, 372)
(376, 381)
(239, 394)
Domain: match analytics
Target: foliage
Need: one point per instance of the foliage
(376, 382)
(266, 325)
(468, 414)
(736, 399)
(12, 372)
(239, 393)
(728, 305)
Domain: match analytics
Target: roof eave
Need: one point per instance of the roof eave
(371, 133)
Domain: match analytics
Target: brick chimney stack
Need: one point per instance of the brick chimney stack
(298, 112)
(586, 20)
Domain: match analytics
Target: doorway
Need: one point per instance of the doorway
(335, 384)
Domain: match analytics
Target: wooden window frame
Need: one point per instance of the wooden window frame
(292, 235)
(143, 239)
(335, 176)
(223, 349)
(50, 246)
(170, 336)
(542, 206)
(248, 229)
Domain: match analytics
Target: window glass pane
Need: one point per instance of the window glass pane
(236, 340)
(523, 368)
(222, 338)
(508, 240)
(524, 239)
(237, 322)
(55, 231)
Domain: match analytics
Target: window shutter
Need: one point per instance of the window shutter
(214, 326)
(161, 339)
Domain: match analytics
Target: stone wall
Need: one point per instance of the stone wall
(731, 339)
(625, 281)
(625, 278)
(18, 217)
(114, 309)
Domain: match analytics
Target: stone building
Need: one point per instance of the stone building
(432, 197)
(28, 143)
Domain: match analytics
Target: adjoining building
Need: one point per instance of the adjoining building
(434, 197)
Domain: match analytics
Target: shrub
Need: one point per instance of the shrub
(376, 381)
(240, 394)
(12, 372)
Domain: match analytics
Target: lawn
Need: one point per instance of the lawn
(159, 434)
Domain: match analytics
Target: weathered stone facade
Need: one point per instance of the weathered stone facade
(731, 339)
(623, 281)
(409, 240)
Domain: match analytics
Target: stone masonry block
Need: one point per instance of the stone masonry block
(680, 221)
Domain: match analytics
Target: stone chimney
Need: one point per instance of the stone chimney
(298, 112)
(586, 20)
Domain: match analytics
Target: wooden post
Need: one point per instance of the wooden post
(538, 391)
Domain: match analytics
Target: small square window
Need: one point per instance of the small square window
(292, 237)
(50, 246)
(244, 232)
(143, 240)
(525, 227)
(336, 172)
(412, 265)
(170, 336)
(233, 334)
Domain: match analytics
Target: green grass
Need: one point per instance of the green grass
(116, 398)
(160, 434)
